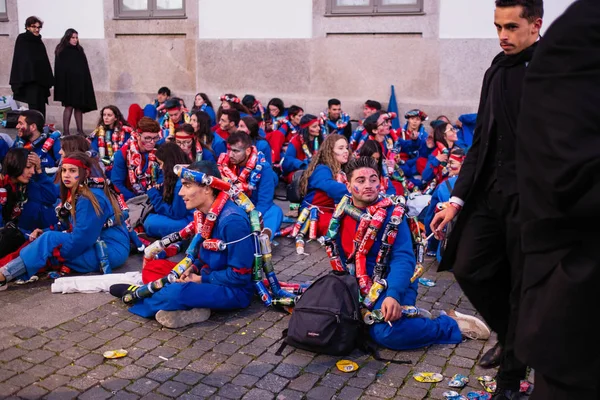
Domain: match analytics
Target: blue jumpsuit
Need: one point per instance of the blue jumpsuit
(3, 150)
(166, 218)
(38, 212)
(78, 246)
(262, 198)
(51, 159)
(441, 194)
(218, 145)
(405, 333)
(120, 172)
(227, 279)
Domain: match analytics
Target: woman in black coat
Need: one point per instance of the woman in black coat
(31, 74)
(73, 87)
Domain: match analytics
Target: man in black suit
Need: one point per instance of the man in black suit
(484, 247)
(558, 159)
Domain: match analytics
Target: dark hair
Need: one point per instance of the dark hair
(252, 125)
(170, 154)
(13, 165)
(204, 134)
(306, 118)
(532, 9)
(439, 133)
(373, 104)
(446, 119)
(457, 151)
(361, 162)
(370, 123)
(64, 42)
(209, 168)
(249, 100)
(14, 162)
(33, 20)
(74, 143)
(206, 101)
(277, 102)
(164, 90)
(239, 137)
(237, 106)
(369, 148)
(34, 117)
(233, 115)
(294, 110)
(147, 124)
(333, 102)
(118, 116)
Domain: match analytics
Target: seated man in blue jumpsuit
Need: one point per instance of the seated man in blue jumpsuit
(399, 332)
(220, 280)
(33, 137)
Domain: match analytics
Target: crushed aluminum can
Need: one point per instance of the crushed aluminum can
(452, 395)
(458, 381)
(426, 282)
(478, 395)
(488, 383)
(428, 377)
(526, 387)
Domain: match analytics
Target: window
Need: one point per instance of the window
(144, 9)
(3, 13)
(374, 7)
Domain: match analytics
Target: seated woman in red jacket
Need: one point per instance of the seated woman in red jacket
(445, 137)
(302, 147)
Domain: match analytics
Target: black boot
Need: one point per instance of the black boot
(492, 357)
(507, 394)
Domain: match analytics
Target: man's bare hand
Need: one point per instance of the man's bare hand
(391, 309)
(189, 276)
(35, 234)
(441, 219)
(35, 160)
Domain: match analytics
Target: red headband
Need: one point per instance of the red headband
(457, 158)
(183, 135)
(309, 123)
(75, 162)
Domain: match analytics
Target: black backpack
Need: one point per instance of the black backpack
(327, 317)
(293, 188)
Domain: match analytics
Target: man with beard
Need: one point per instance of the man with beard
(31, 135)
(484, 248)
(31, 74)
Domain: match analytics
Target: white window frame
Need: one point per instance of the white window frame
(151, 13)
(374, 8)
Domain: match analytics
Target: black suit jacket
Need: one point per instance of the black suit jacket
(558, 158)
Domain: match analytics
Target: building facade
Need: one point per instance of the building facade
(304, 51)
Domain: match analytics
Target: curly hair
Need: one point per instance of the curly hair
(325, 156)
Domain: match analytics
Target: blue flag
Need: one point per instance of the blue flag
(393, 107)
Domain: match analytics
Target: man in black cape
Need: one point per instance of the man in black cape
(31, 74)
(558, 159)
(484, 247)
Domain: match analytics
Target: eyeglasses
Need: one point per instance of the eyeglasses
(38, 27)
(150, 139)
(386, 122)
(451, 129)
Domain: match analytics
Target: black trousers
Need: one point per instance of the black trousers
(37, 97)
(488, 268)
(547, 389)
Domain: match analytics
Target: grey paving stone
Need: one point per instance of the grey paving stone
(320, 393)
(288, 394)
(54, 381)
(381, 391)
(334, 381)
(143, 386)
(226, 348)
(40, 371)
(258, 394)
(58, 345)
(149, 361)
(245, 380)
(414, 392)
(272, 383)
(72, 370)
(32, 392)
(176, 363)
(131, 372)
(148, 343)
(114, 384)
(164, 351)
(5, 374)
(230, 370)
(162, 374)
(140, 332)
(216, 380)
(27, 333)
(34, 343)
(18, 366)
(62, 393)
(188, 377)
(123, 395)
(22, 380)
(239, 359)
(258, 369)
(102, 372)
(109, 333)
(96, 393)
(92, 343)
(172, 389)
(289, 371)
(73, 353)
(462, 362)
(154, 396)
(350, 393)
(304, 382)
(83, 383)
(203, 390)
(231, 391)
(90, 360)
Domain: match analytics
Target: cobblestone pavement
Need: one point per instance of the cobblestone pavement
(230, 356)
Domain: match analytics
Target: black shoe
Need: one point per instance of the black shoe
(124, 291)
(492, 357)
(508, 394)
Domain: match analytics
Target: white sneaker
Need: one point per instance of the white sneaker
(470, 326)
(181, 318)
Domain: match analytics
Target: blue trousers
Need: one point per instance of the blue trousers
(272, 218)
(413, 333)
(157, 225)
(185, 296)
